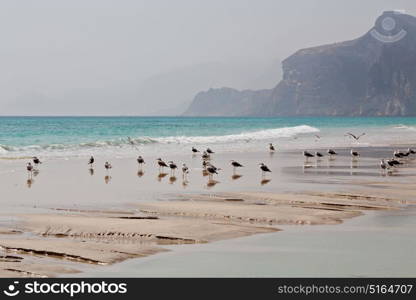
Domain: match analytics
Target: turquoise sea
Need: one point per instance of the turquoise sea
(63, 136)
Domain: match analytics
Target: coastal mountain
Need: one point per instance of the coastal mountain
(373, 75)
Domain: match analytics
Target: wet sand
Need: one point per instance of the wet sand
(69, 220)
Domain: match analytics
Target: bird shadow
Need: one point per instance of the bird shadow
(107, 179)
(185, 183)
(91, 171)
(161, 176)
(172, 179)
(236, 176)
(140, 173)
(265, 181)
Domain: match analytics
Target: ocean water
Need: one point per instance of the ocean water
(79, 136)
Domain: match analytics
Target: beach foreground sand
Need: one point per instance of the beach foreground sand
(61, 240)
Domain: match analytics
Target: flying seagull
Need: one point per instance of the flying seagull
(355, 137)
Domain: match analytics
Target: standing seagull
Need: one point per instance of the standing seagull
(355, 137)
(29, 169)
(172, 167)
(271, 147)
(194, 150)
(185, 170)
(140, 161)
(161, 164)
(36, 161)
(307, 155)
(264, 169)
(235, 165)
(354, 154)
(318, 154)
(91, 162)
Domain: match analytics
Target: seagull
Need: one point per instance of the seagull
(36, 161)
(185, 170)
(204, 164)
(271, 147)
(307, 154)
(107, 166)
(172, 167)
(264, 168)
(91, 161)
(209, 151)
(211, 170)
(140, 161)
(355, 137)
(354, 153)
(411, 151)
(205, 155)
(29, 169)
(318, 154)
(161, 164)
(317, 137)
(194, 150)
(331, 152)
(393, 162)
(236, 164)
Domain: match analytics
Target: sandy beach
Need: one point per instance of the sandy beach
(68, 222)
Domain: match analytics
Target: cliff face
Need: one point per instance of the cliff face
(374, 75)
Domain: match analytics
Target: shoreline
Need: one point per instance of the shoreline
(55, 240)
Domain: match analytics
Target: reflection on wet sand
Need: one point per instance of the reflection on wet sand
(91, 171)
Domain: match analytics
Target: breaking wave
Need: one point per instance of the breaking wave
(266, 134)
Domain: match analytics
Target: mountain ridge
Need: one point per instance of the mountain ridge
(367, 76)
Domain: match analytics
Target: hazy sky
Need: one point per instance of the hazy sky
(92, 56)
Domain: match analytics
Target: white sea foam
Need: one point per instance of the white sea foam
(124, 143)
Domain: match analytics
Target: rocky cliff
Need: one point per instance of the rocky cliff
(373, 75)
